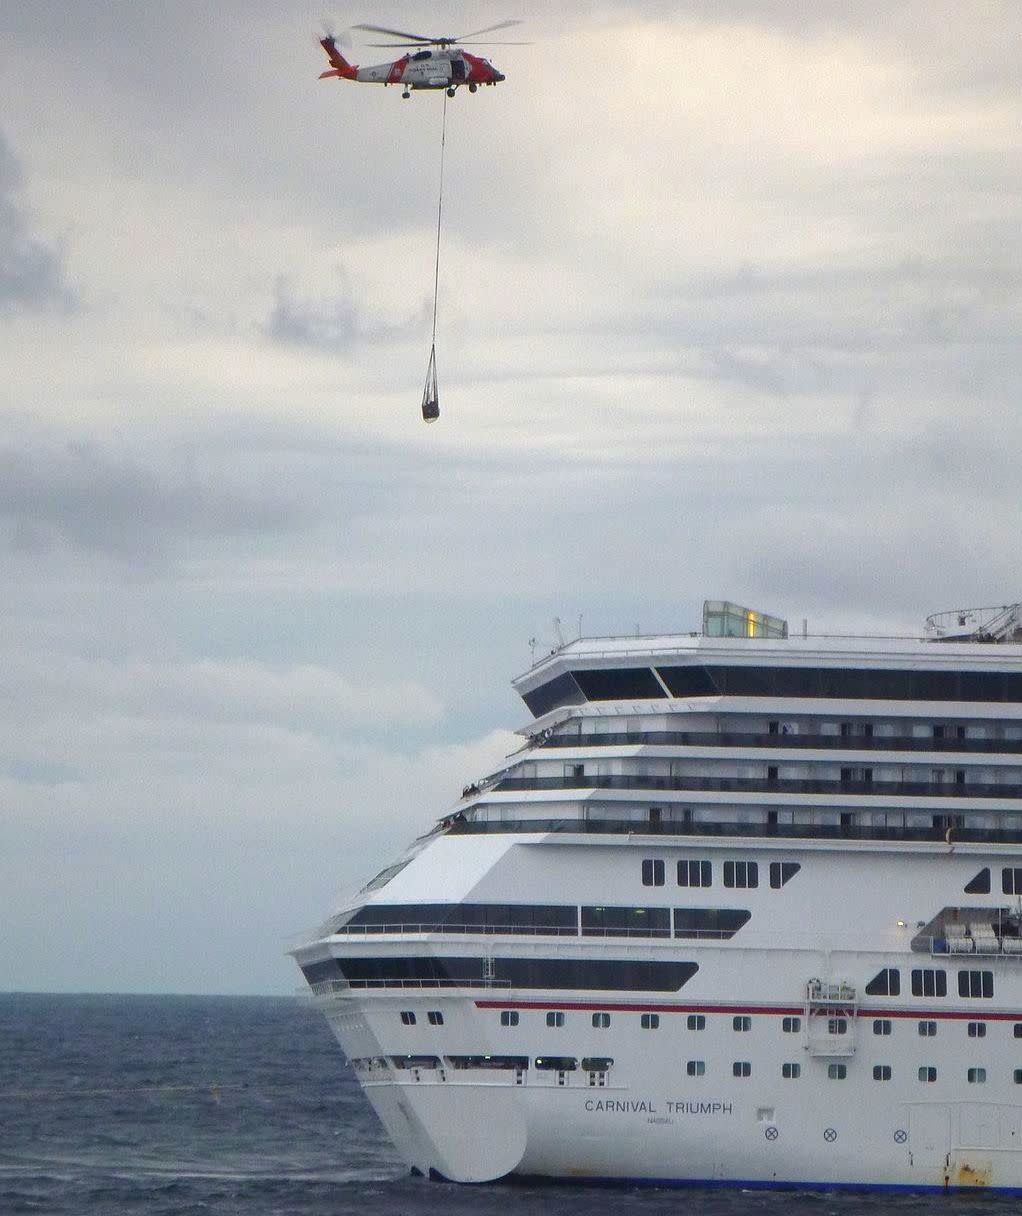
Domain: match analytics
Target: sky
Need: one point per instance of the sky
(730, 307)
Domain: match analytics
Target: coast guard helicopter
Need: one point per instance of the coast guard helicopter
(445, 67)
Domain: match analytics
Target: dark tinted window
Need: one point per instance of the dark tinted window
(618, 683)
(841, 682)
(980, 885)
(556, 1063)
(694, 874)
(929, 983)
(976, 983)
(600, 921)
(521, 1062)
(462, 918)
(597, 1063)
(781, 872)
(318, 973)
(709, 922)
(625, 975)
(562, 690)
(885, 983)
(1011, 880)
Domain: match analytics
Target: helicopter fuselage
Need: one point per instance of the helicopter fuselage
(445, 68)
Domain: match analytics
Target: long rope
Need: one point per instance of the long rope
(439, 216)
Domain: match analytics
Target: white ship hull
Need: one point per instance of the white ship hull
(777, 984)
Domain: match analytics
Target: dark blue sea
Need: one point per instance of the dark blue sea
(195, 1105)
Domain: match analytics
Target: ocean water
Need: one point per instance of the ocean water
(188, 1105)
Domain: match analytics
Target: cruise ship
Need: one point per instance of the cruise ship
(744, 909)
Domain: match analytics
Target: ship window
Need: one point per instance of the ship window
(407, 1017)
(927, 1074)
(837, 1072)
(650, 1021)
(694, 874)
(696, 1068)
(509, 1017)
(980, 885)
(885, 983)
(600, 921)
(976, 983)
(929, 982)
(597, 1063)
(741, 1023)
(652, 873)
(881, 1072)
(927, 1030)
(435, 1017)
(555, 1018)
(623, 975)
(556, 1063)
(322, 972)
(601, 1020)
(1018, 1030)
(1017, 1076)
(741, 1068)
(1011, 880)
(697, 1021)
(837, 1025)
(881, 1025)
(791, 1025)
(502, 1062)
(719, 923)
(553, 919)
(977, 1030)
(976, 1076)
(791, 1072)
(384, 876)
(562, 690)
(619, 684)
(741, 874)
(781, 872)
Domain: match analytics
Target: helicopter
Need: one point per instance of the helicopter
(445, 67)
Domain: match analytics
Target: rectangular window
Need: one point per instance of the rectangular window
(555, 1018)
(977, 1076)
(927, 1030)
(781, 872)
(837, 1025)
(881, 1072)
(837, 1072)
(927, 1075)
(601, 1020)
(435, 1017)
(1016, 1076)
(696, 1021)
(791, 1025)
(650, 1021)
(791, 1072)
(1018, 1030)
(741, 1068)
(652, 873)
(599, 920)
(929, 982)
(741, 1023)
(976, 983)
(407, 1017)
(977, 1030)
(696, 1068)
(509, 1017)
(741, 874)
(694, 874)
(881, 1025)
(1011, 880)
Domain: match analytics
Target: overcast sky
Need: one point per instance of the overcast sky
(730, 307)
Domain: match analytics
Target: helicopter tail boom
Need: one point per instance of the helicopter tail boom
(340, 67)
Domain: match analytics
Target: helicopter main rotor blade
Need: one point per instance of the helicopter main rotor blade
(489, 29)
(487, 42)
(380, 29)
(392, 45)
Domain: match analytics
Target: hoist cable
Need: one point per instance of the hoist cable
(439, 216)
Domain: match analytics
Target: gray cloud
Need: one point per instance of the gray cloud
(31, 271)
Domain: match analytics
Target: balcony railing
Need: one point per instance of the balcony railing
(731, 739)
(763, 785)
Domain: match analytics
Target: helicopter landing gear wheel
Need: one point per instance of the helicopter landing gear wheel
(405, 95)
(450, 92)
(472, 88)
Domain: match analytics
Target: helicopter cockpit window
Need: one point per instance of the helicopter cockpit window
(423, 55)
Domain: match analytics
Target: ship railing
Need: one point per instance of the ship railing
(333, 987)
(841, 743)
(975, 947)
(820, 993)
(761, 785)
(412, 927)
